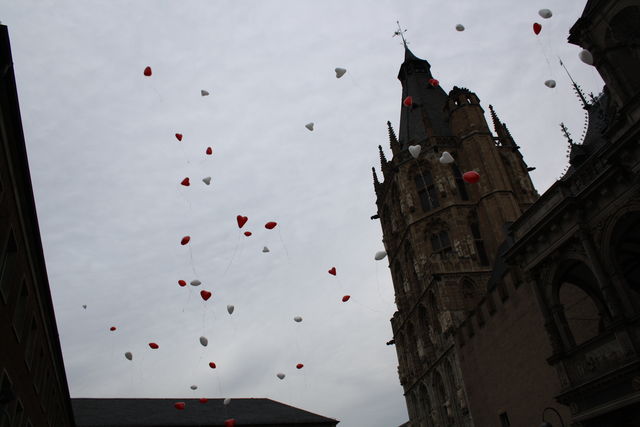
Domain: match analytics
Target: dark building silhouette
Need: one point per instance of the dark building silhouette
(161, 413)
(33, 385)
(510, 303)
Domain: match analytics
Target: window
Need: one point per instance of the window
(504, 420)
(440, 242)
(479, 244)
(426, 191)
(8, 259)
(20, 313)
(462, 189)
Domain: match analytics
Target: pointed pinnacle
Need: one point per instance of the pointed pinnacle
(494, 118)
(383, 159)
(393, 140)
(375, 178)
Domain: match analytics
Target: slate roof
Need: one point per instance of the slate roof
(161, 412)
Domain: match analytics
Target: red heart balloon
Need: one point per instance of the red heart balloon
(185, 182)
(205, 294)
(537, 28)
(185, 240)
(270, 225)
(154, 345)
(147, 71)
(299, 365)
(332, 271)
(182, 283)
(230, 422)
(247, 233)
(212, 365)
(179, 136)
(471, 177)
(242, 220)
(209, 151)
(346, 298)
(408, 101)
(434, 82)
(179, 405)
(203, 400)
(113, 328)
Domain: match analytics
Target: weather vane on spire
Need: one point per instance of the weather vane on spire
(400, 33)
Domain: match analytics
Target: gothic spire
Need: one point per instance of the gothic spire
(501, 129)
(376, 183)
(383, 159)
(393, 140)
(585, 104)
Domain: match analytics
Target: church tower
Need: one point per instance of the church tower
(442, 234)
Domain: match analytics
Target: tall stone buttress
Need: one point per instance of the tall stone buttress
(442, 235)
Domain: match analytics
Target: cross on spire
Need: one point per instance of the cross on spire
(400, 32)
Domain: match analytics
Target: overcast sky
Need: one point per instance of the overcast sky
(106, 170)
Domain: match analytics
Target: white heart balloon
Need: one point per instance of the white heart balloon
(545, 13)
(84, 306)
(414, 150)
(309, 126)
(280, 375)
(204, 93)
(460, 27)
(380, 255)
(298, 319)
(230, 308)
(227, 401)
(340, 72)
(204, 341)
(207, 180)
(128, 355)
(196, 282)
(550, 83)
(265, 250)
(586, 57)
(194, 387)
(446, 158)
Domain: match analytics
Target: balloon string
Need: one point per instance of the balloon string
(193, 267)
(367, 307)
(232, 256)
(544, 53)
(283, 245)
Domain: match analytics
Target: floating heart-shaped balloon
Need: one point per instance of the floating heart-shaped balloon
(247, 233)
(185, 182)
(265, 250)
(550, 83)
(182, 283)
(179, 136)
(280, 375)
(209, 151)
(460, 27)
(297, 319)
(270, 225)
(414, 150)
(128, 355)
(205, 294)
(203, 400)
(586, 57)
(545, 13)
(194, 387)
(242, 220)
(230, 422)
(299, 366)
(380, 255)
(332, 271)
(212, 365)
(230, 308)
(340, 72)
(434, 82)
(471, 177)
(446, 158)
(84, 306)
(185, 240)
(537, 28)
(207, 180)
(226, 401)
(204, 92)
(147, 71)
(154, 345)
(346, 298)
(408, 101)
(309, 126)
(195, 282)
(204, 341)
(179, 405)
(113, 328)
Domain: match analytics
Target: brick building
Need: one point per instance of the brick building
(509, 302)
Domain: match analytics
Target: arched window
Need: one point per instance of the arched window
(427, 192)
(433, 312)
(442, 400)
(426, 404)
(462, 189)
(626, 249)
(479, 243)
(468, 294)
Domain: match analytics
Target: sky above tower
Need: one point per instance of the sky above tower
(106, 169)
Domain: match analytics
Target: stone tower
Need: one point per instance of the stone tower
(443, 235)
